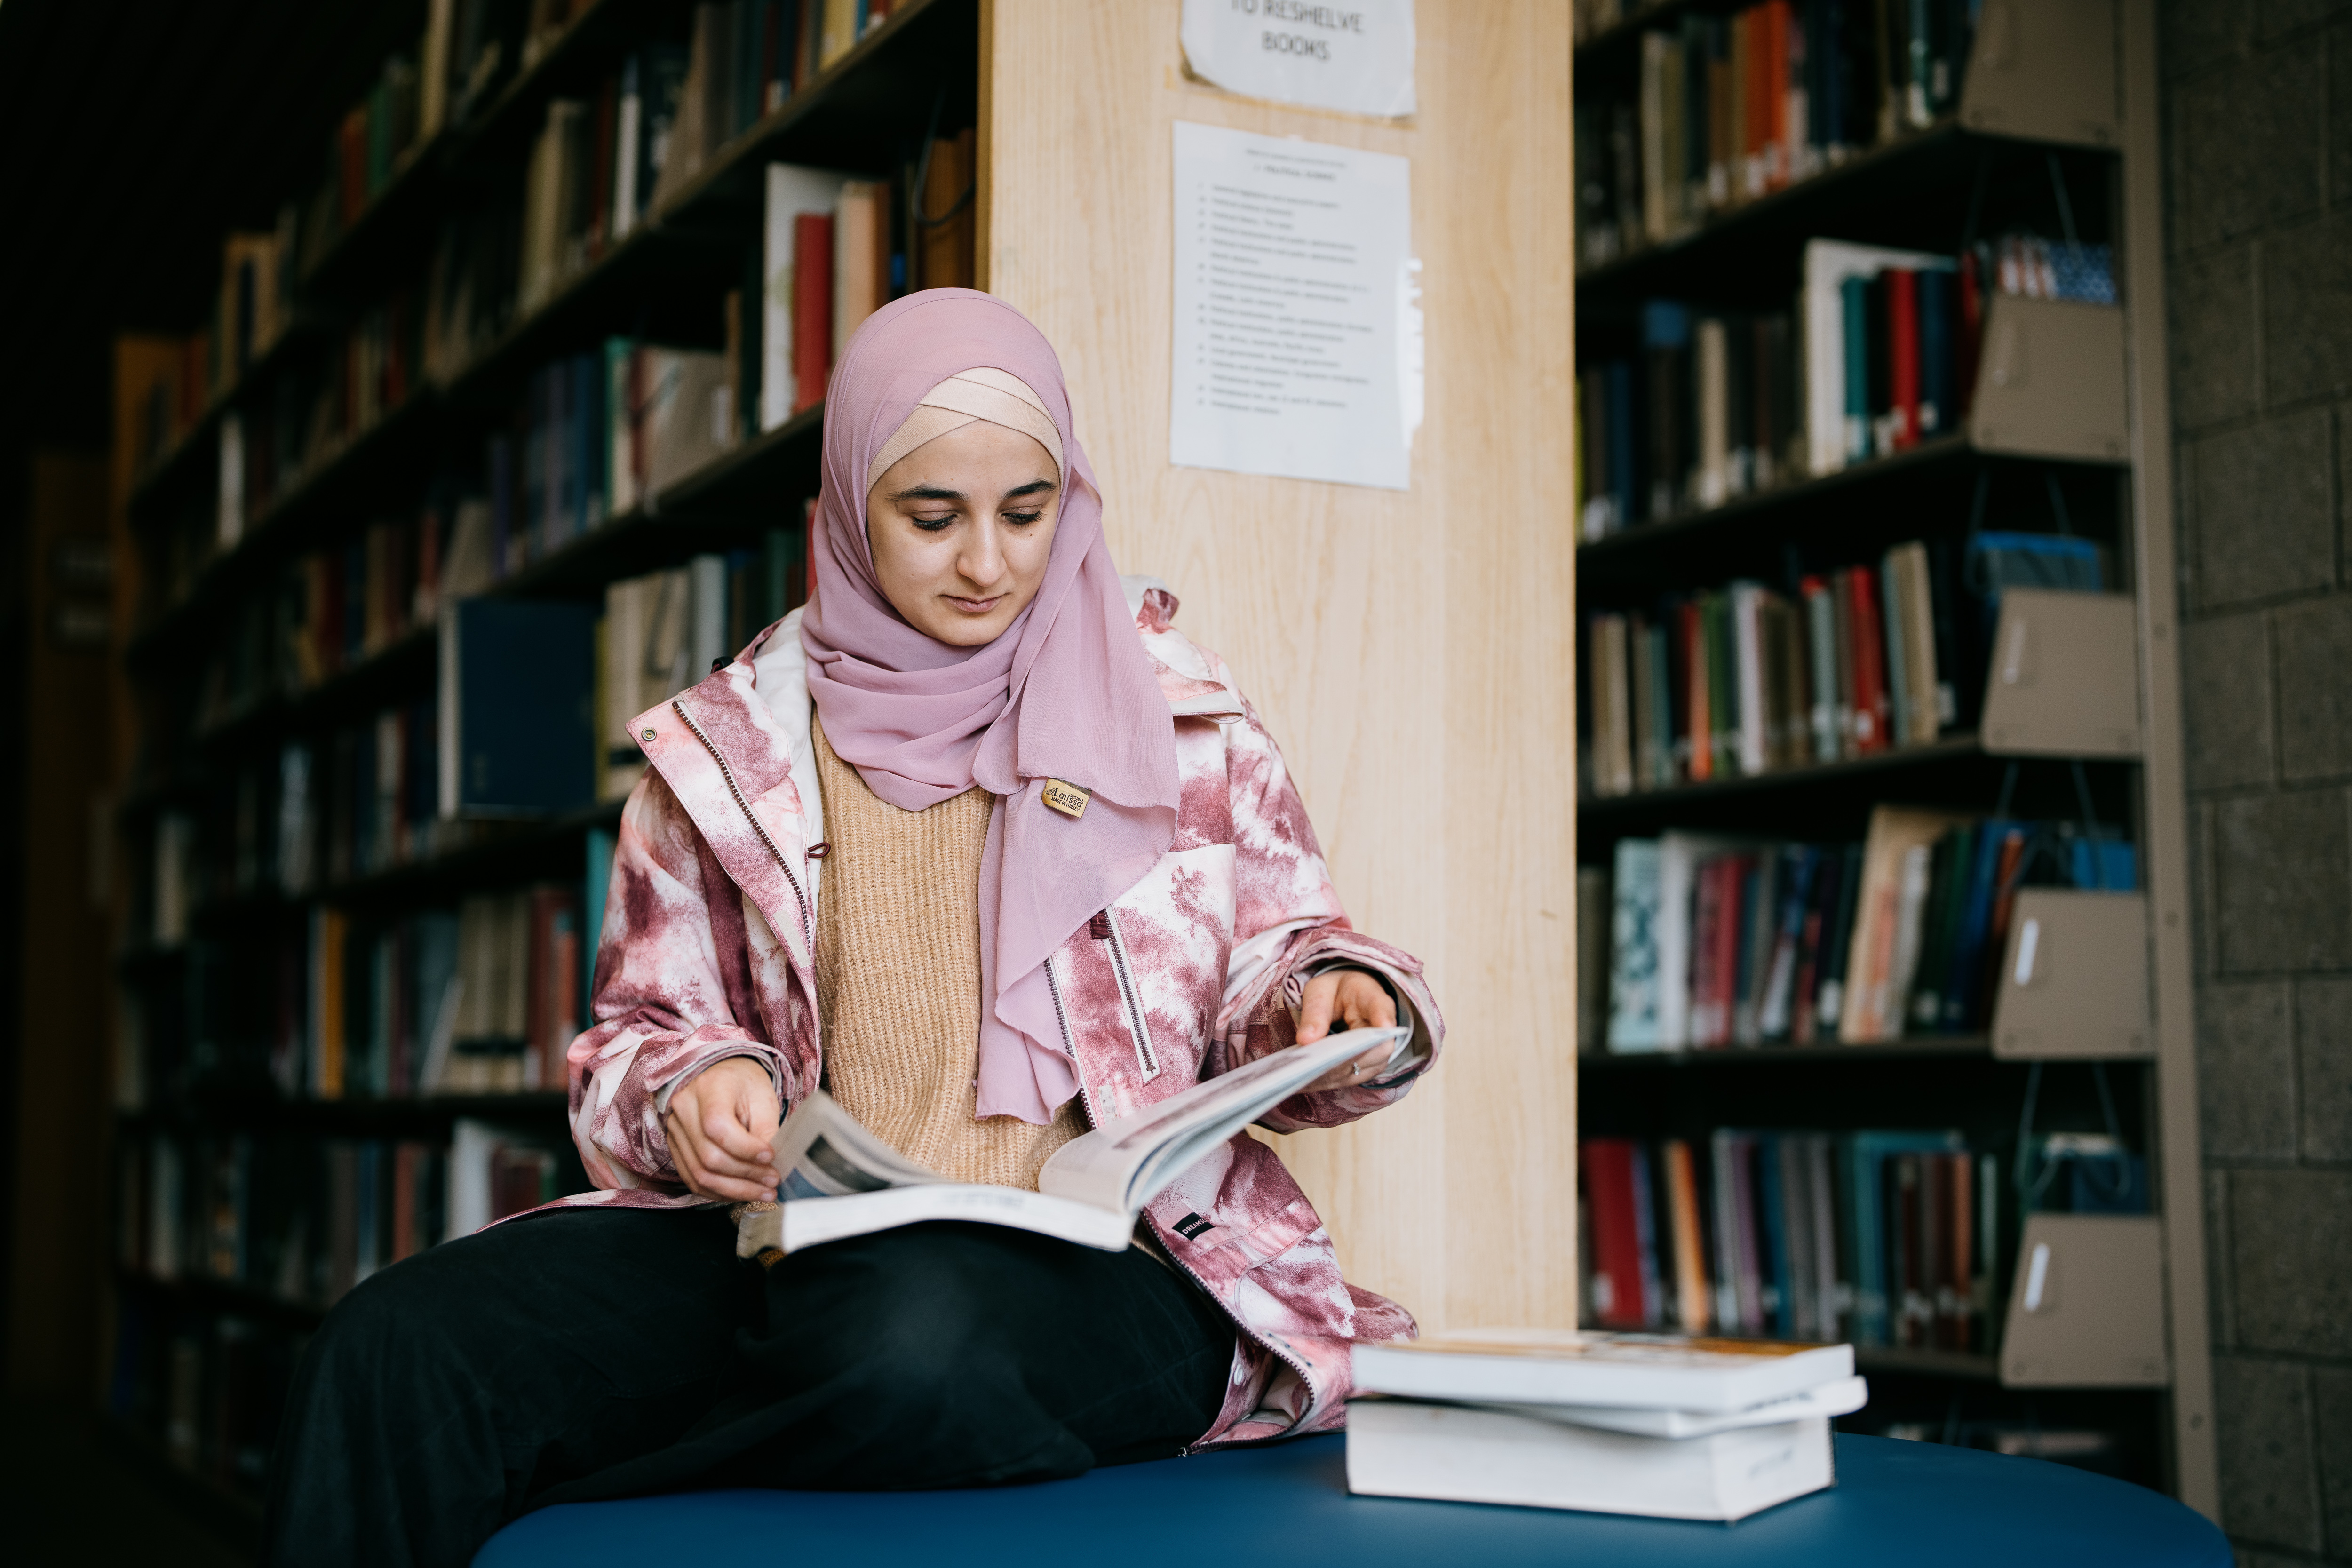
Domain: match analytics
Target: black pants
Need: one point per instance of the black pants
(599, 1353)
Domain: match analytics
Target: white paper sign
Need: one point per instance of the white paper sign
(1355, 57)
(1297, 345)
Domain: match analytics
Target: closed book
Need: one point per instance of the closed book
(1613, 756)
(861, 255)
(1889, 873)
(1871, 708)
(1691, 1295)
(1903, 356)
(1634, 977)
(1403, 1449)
(792, 191)
(518, 738)
(1895, 649)
(1608, 1166)
(1644, 1371)
(813, 345)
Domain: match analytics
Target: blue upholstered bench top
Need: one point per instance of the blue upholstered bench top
(1911, 1503)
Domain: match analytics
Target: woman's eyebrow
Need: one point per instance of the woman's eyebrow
(1032, 488)
(928, 492)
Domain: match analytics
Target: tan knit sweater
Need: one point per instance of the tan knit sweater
(898, 980)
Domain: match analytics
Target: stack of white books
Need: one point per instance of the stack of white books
(1665, 1426)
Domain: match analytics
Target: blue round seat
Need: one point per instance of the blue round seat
(1919, 1504)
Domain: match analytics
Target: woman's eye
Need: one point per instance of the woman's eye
(933, 524)
(1022, 516)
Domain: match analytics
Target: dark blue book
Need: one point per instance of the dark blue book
(595, 884)
(1938, 399)
(1620, 426)
(1771, 1204)
(517, 690)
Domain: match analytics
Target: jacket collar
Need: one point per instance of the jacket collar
(735, 751)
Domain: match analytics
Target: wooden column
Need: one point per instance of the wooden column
(65, 1010)
(1412, 652)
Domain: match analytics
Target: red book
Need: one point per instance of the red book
(351, 167)
(1779, 153)
(1870, 705)
(404, 1200)
(812, 308)
(1692, 634)
(600, 192)
(1706, 952)
(1903, 354)
(1608, 1169)
(1730, 901)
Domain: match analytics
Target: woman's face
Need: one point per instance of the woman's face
(960, 528)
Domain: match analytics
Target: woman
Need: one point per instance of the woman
(841, 870)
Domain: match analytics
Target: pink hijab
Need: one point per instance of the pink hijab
(1065, 693)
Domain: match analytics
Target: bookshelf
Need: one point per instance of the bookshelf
(291, 541)
(2040, 409)
(1062, 202)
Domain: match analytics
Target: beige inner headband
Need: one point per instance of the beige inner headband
(996, 395)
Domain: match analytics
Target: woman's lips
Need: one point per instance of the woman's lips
(974, 606)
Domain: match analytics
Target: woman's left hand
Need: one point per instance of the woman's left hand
(1361, 1002)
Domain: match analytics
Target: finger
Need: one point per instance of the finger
(682, 1152)
(1315, 1006)
(1369, 1006)
(722, 1137)
(726, 1127)
(692, 1159)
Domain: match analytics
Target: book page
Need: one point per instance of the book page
(1297, 349)
(1124, 1164)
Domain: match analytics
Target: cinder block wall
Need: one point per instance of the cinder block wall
(2258, 102)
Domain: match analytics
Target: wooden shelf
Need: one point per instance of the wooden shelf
(1898, 193)
(574, 60)
(1616, 1063)
(1889, 1362)
(503, 850)
(230, 1514)
(202, 1293)
(1892, 763)
(385, 232)
(1848, 505)
(180, 462)
(268, 537)
(392, 1116)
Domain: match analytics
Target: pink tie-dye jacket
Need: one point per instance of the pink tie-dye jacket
(707, 952)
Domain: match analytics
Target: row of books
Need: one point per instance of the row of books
(1663, 1425)
(1730, 107)
(300, 1221)
(500, 739)
(1876, 1238)
(304, 1219)
(1745, 679)
(209, 1392)
(747, 57)
(1877, 355)
(1717, 941)
(482, 998)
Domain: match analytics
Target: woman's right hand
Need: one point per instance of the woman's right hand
(718, 1124)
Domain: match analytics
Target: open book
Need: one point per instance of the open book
(840, 1180)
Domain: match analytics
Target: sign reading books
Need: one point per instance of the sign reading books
(1356, 58)
(1297, 336)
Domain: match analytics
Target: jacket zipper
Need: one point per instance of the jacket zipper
(1138, 1030)
(808, 935)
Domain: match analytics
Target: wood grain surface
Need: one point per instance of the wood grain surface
(1413, 651)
